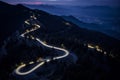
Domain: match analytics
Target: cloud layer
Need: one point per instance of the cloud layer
(67, 2)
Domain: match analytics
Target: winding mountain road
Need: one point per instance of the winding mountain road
(37, 26)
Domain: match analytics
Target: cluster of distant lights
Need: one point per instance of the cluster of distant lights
(96, 47)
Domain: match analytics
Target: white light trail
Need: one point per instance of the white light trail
(17, 71)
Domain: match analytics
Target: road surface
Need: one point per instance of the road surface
(37, 26)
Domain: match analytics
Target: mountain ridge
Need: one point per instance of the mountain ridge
(98, 54)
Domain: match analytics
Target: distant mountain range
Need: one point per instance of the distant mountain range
(11, 19)
(93, 26)
(107, 18)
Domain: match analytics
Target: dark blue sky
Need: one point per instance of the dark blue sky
(66, 2)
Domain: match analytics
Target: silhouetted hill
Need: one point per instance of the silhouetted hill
(81, 23)
(11, 19)
(92, 26)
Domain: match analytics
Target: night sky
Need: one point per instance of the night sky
(66, 2)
